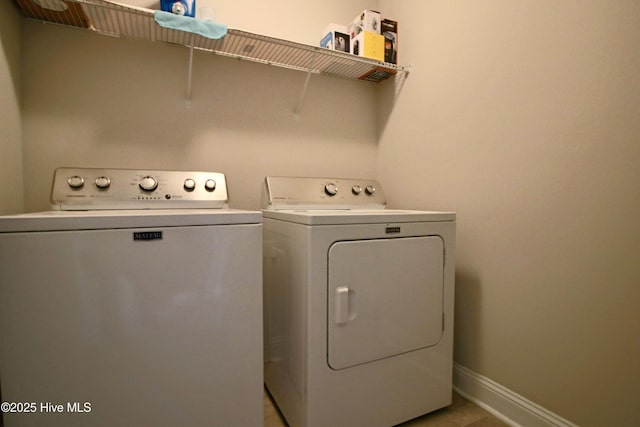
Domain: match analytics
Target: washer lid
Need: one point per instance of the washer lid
(112, 219)
(356, 216)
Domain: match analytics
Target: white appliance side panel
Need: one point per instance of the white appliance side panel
(286, 328)
(385, 297)
(159, 332)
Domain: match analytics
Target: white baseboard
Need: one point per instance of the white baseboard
(505, 404)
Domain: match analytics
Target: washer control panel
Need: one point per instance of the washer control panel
(321, 193)
(96, 189)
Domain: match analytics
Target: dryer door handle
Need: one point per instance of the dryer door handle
(342, 305)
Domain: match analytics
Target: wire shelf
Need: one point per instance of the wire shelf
(115, 19)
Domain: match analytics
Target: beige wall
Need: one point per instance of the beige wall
(11, 199)
(524, 117)
(97, 101)
(520, 116)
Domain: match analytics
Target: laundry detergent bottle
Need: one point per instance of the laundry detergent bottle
(179, 7)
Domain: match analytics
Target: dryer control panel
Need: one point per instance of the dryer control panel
(322, 193)
(97, 189)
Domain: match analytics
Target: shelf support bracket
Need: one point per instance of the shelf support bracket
(187, 101)
(298, 108)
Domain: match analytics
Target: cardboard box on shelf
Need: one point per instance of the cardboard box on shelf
(336, 37)
(389, 30)
(368, 20)
(369, 45)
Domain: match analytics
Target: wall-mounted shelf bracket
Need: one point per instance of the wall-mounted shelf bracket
(298, 108)
(187, 101)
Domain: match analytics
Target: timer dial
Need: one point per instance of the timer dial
(148, 183)
(331, 189)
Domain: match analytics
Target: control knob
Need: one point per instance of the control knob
(331, 189)
(148, 183)
(189, 184)
(75, 182)
(356, 189)
(370, 190)
(103, 182)
(210, 185)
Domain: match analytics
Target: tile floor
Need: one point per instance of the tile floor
(461, 413)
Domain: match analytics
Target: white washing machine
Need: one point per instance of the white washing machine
(137, 303)
(358, 304)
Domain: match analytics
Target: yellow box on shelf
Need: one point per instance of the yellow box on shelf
(369, 45)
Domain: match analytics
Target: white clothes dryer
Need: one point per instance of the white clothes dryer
(358, 304)
(137, 303)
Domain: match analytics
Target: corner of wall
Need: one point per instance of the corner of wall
(11, 167)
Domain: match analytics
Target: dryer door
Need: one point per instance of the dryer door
(385, 297)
